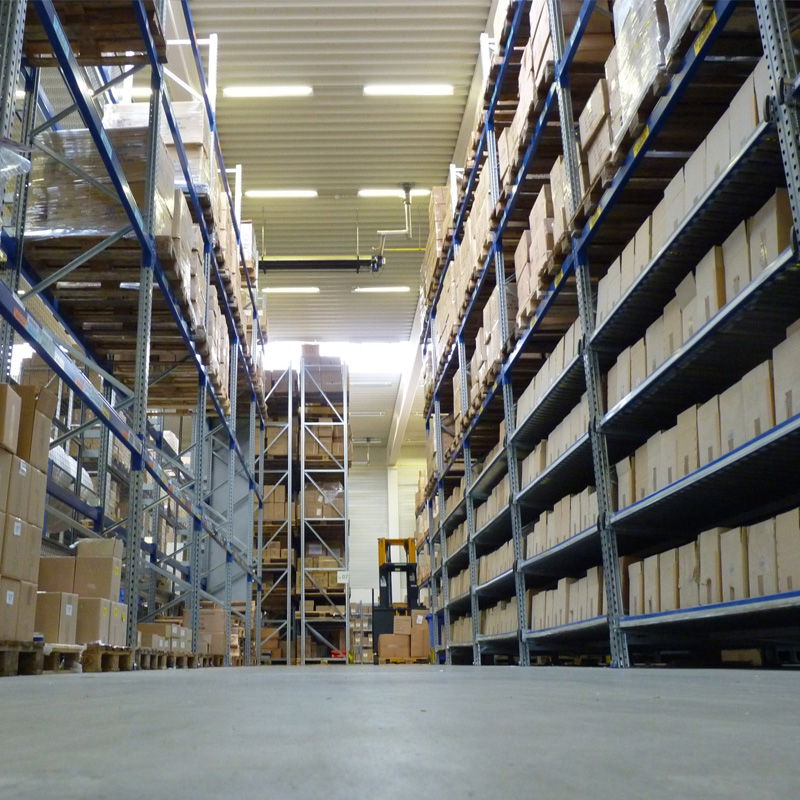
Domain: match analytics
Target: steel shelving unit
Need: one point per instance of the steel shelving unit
(324, 409)
(215, 475)
(750, 483)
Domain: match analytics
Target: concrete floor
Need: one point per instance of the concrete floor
(396, 733)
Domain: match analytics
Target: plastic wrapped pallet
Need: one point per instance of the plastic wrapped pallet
(680, 14)
(62, 204)
(641, 31)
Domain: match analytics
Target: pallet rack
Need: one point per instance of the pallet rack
(748, 484)
(220, 477)
(325, 527)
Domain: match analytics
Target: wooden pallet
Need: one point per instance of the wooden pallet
(100, 33)
(105, 658)
(21, 658)
(404, 661)
(695, 25)
(149, 659)
(592, 195)
(181, 661)
(62, 657)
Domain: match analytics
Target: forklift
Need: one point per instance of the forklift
(388, 606)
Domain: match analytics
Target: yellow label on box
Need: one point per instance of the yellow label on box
(116, 612)
(702, 37)
(105, 611)
(116, 570)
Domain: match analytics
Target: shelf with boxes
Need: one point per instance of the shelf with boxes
(60, 265)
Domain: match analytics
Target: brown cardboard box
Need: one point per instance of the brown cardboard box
(33, 443)
(6, 462)
(688, 575)
(642, 249)
(655, 345)
(420, 636)
(94, 615)
(638, 363)
(686, 295)
(627, 267)
(19, 489)
(9, 608)
(731, 416)
(635, 589)
(27, 611)
(687, 442)
(668, 580)
(695, 176)
(393, 645)
(733, 563)
(708, 550)
(787, 550)
(743, 116)
(57, 616)
(97, 577)
(641, 468)
(758, 400)
(108, 547)
(619, 378)
(595, 599)
(57, 574)
(117, 626)
(37, 496)
(626, 483)
(710, 286)
(652, 585)
(21, 548)
(786, 377)
(762, 564)
(709, 432)
(667, 471)
(770, 232)
(673, 328)
(10, 412)
(718, 149)
(736, 255)
(594, 112)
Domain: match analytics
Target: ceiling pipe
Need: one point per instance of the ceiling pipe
(378, 259)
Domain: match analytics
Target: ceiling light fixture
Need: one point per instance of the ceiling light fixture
(371, 383)
(280, 194)
(381, 289)
(408, 89)
(367, 413)
(392, 193)
(291, 290)
(267, 91)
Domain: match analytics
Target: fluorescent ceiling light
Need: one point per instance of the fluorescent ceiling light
(381, 289)
(371, 383)
(392, 193)
(268, 91)
(278, 194)
(408, 89)
(291, 290)
(367, 413)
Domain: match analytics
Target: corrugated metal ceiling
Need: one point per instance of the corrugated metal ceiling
(339, 141)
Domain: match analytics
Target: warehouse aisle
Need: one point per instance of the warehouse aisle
(386, 733)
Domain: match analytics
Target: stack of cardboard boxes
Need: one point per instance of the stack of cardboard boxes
(461, 630)
(499, 618)
(496, 502)
(720, 566)
(569, 516)
(410, 637)
(495, 563)
(573, 600)
(459, 584)
(26, 413)
(457, 538)
(534, 251)
(440, 215)
(212, 632)
(324, 501)
(172, 635)
(94, 577)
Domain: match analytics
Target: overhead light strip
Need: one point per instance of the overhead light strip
(408, 89)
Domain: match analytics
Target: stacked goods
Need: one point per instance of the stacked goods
(455, 497)
(275, 502)
(533, 253)
(499, 618)
(423, 566)
(496, 563)
(496, 503)
(212, 631)
(460, 630)
(421, 529)
(94, 576)
(596, 131)
(642, 33)
(62, 207)
(440, 214)
(272, 644)
(322, 575)
(720, 566)
(219, 348)
(250, 248)
(324, 501)
(446, 312)
(493, 338)
(573, 600)
(171, 635)
(410, 638)
(683, 15)
(448, 435)
(187, 244)
(562, 200)
(568, 517)
(457, 539)
(459, 584)
(558, 360)
(26, 414)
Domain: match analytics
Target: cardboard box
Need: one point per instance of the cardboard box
(619, 378)
(708, 550)
(9, 608)
(667, 470)
(97, 577)
(736, 255)
(709, 432)
(392, 645)
(117, 626)
(10, 412)
(37, 497)
(689, 575)
(786, 377)
(686, 295)
(94, 615)
(652, 585)
(57, 574)
(743, 116)
(19, 489)
(635, 589)
(402, 626)
(733, 563)
(787, 550)
(57, 616)
(758, 400)
(687, 442)
(638, 363)
(710, 286)
(762, 563)
(627, 267)
(6, 462)
(21, 548)
(718, 149)
(33, 443)
(673, 328)
(594, 113)
(731, 416)
(642, 249)
(770, 232)
(27, 611)
(420, 635)
(110, 547)
(641, 468)
(595, 597)
(695, 176)
(626, 483)
(655, 345)
(668, 580)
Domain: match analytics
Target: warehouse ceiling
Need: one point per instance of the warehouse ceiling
(339, 141)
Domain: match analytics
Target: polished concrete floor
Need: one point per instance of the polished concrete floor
(396, 733)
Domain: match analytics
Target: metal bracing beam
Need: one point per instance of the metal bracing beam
(437, 432)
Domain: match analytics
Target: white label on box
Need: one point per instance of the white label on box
(23, 468)
(420, 619)
(17, 527)
(9, 597)
(342, 576)
(68, 609)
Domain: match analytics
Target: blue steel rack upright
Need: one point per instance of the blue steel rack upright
(192, 488)
(572, 286)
